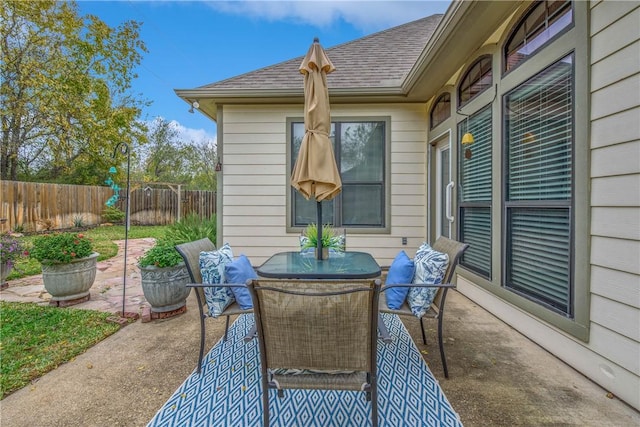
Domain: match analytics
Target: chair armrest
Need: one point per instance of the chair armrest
(216, 285)
(418, 285)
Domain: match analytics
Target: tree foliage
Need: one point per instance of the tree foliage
(65, 91)
(167, 157)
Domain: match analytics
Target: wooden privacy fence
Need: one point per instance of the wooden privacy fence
(35, 206)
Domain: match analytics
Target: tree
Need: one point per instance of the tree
(65, 91)
(203, 165)
(165, 156)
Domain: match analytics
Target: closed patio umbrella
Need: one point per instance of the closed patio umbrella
(315, 173)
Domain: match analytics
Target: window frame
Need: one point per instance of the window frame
(463, 126)
(574, 39)
(432, 122)
(478, 62)
(521, 22)
(510, 206)
(386, 185)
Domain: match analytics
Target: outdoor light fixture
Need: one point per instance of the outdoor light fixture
(218, 166)
(194, 104)
(467, 138)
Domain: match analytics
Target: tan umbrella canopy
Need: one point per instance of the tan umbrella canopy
(315, 173)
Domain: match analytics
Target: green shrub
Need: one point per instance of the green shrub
(60, 248)
(113, 214)
(163, 254)
(191, 228)
(78, 221)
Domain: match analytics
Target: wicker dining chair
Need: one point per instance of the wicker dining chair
(454, 250)
(191, 254)
(317, 334)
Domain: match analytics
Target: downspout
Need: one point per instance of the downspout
(428, 220)
(219, 177)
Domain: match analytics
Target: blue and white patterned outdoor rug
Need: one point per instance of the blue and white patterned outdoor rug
(228, 391)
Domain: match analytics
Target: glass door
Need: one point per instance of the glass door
(444, 186)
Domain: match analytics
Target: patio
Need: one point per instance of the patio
(497, 376)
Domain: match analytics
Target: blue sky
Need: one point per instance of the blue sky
(193, 43)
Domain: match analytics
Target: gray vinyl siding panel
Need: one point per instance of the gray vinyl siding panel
(607, 130)
(616, 160)
(622, 223)
(256, 179)
(615, 184)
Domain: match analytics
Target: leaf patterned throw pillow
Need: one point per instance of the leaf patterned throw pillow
(212, 270)
(430, 268)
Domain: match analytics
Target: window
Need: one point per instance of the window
(441, 110)
(478, 78)
(474, 192)
(538, 188)
(359, 149)
(545, 20)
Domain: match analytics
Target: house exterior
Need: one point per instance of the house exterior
(547, 193)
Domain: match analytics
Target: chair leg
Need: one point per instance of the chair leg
(424, 335)
(442, 356)
(265, 401)
(226, 329)
(374, 402)
(201, 341)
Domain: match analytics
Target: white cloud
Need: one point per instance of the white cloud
(364, 15)
(186, 134)
(195, 135)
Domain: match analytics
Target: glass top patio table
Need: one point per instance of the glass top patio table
(304, 265)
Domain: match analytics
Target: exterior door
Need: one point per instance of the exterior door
(443, 188)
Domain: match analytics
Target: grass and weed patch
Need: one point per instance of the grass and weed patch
(37, 339)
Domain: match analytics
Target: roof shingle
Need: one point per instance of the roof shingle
(381, 59)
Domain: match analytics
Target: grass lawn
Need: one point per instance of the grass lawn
(102, 238)
(36, 339)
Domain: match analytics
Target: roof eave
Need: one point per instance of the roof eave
(210, 98)
(463, 30)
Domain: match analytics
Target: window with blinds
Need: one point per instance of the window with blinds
(538, 188)
(359, 149)
(474, 193)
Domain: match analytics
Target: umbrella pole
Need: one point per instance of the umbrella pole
(319, 227)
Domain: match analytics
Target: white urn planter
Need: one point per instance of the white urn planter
(165, 287)
(69, 283)
(5, 270)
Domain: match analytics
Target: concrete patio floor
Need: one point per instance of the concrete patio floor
(497, 377)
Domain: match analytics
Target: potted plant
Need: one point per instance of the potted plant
(329, 239)
(68, 266)
(164, 277)
(10, 250)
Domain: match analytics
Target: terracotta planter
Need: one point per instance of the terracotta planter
(165, 288)
(72, 281)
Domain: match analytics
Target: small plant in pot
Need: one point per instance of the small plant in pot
(68, 266)
(164, 277)
(329, 239)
